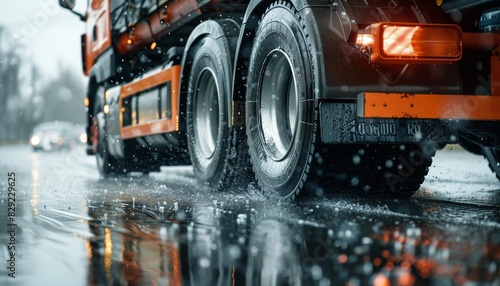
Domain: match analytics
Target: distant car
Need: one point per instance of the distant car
(56, 135)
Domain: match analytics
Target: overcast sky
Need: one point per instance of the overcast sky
(50, 33)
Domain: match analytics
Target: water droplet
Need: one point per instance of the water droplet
(204, 262)
(389, 163)
(254, 250)
(241, 219)
(319, 192)
(316, 272)
(356, 159)
(354, 181)
(234, 251)
(330, 233)
(163, 234)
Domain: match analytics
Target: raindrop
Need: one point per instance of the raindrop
(234, 252)
(163, 234)
(176, 206)
(319, 192)
(356, 159)
(204, 262)
(254, 250)
(324, 282)
(316, 272)
(241, 219)
(133, 202)
(348, 233)
(389, 163)
(330, 232)
(354, 181)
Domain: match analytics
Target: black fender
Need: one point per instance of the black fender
(216, 28)
(104, 67)
(100, 73)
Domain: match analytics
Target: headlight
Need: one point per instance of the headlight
(35, 140)
(83, 137)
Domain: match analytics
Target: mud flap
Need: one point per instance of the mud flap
(340, 124)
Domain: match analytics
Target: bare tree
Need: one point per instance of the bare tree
(10, 62)
(63, 97)
(27, 98)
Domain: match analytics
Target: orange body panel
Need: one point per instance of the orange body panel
(428, 106)
(495, 76)
(159, 126)
(98, 32)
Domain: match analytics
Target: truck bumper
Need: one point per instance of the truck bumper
(410, 118)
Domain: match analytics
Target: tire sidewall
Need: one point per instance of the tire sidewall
(280, 30)
(102, 154)
(208, 53)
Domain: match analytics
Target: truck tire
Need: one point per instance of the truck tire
(107, 164)
(280, 114)
(218, 152)
(493, 157)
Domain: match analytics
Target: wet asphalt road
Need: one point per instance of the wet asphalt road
(73, 228)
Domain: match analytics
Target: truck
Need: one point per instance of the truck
(293, 96)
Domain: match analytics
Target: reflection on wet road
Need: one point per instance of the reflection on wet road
(74, 228)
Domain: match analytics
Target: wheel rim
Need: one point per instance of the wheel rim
(278, 105)
(206, 113)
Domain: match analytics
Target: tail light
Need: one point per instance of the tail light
(412, 43)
